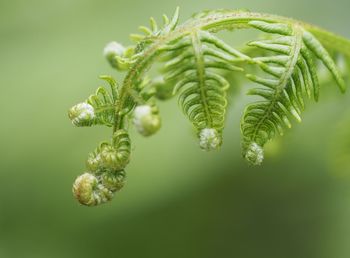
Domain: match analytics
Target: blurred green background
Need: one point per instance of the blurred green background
(179, 201)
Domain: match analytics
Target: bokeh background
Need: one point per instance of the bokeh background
(179, 201)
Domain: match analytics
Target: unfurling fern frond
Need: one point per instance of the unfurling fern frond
(292, 74)
(89, 191)
(110, 156)
(105, 173)
(195, 61)
(92, 190)
(99, 108)
(118, 56)
(198, 67)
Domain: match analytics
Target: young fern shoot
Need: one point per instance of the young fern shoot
(194, 63)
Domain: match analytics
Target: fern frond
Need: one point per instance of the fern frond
(292, 73)
(194, 64)
(98, 109)
(104, 107)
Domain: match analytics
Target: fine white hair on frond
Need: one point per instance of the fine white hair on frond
(113, 49)
(209, 139)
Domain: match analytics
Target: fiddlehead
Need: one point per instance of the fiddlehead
(146, 119)
(98, 109)
(105, 173)
(195, 64)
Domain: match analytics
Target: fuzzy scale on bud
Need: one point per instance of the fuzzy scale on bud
(254, 154)
(146, 121)
(89, 191)
(82, 114)
(209, 139)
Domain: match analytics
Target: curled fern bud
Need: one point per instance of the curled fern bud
(114, 181)
(122, 144)
(146, 120)
(116, 55)
(82, 114)
(109, 156)
(112, 159)
(113, 49)
(254, 154)
(164, 89)
(209, 139)
(89, 191)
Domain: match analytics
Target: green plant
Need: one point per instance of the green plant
(195, 66)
